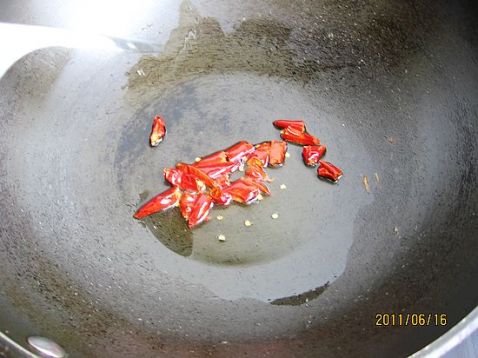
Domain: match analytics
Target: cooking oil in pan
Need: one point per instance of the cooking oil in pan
(214, 89)
(300, 234)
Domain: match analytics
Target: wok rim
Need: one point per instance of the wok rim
(452, 338)
(437, 348)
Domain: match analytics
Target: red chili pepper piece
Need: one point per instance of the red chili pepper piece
(220, 197)
(329, 171)
(255, 169)
(256, 184)
(214, 158)
(301, 138)
(158, 131)
(277, 153)
(239, 151)
(183, 180)
(200, 210)
(196, 172)
(172, 175)
(262, 152)
(222, 181)
(160, 202)
(186, 203)
(242, 191)
(312, 153)
(216, 170)
(284, 123)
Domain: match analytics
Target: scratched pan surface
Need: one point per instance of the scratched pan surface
(390, 88)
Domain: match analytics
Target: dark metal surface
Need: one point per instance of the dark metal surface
(390, 87)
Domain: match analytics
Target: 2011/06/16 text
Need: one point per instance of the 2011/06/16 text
(411, 319)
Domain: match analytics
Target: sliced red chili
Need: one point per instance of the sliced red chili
(158, 131)
(256, 184)
(216, 170)
(222, 181)
(200, 210)
(242, 191)
(329, 171)
(284, 123)
(262, 152)
(172, 175)
(292, 135)
(160, 202)
(239, 151)
(186, 203)
(211, 159)
(196, 172)
(277, 153)
(312, 153)
(183, 180)
(220, 197)
(255, 169)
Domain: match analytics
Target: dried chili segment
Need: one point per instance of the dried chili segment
(186, 203)
(220, 196)
(183, 180)
(256, 184)
(262, 153)
(222, 181)
(295, 136)
(200, 210)
(255, 169)
(293, 123)
(312, 154)
(196, 172)
(219, 169)
(160, 202)
(242, 191)
(172, 175)
(277, 153)
(329, 171)
(239, 151)
(158, 131)
(211, 159)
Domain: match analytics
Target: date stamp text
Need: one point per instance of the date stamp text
(411, 319)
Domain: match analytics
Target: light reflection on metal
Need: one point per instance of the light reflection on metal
(46, 347)
(19, 40)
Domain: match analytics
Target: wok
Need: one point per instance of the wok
(389, 86)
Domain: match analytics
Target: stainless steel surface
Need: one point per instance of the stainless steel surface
(10, 348)
(468, 348)
(19, 40)
(46, 347)
(460, 341)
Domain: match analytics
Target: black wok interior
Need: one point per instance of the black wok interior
(390, 86)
